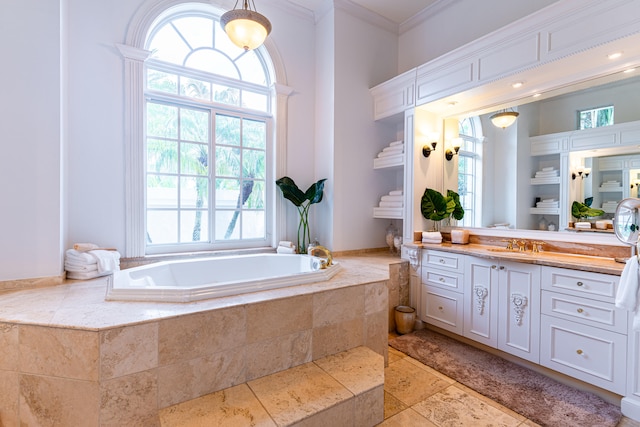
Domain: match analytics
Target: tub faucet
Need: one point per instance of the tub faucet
(327, 254)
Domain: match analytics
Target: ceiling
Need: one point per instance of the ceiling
(397, 11)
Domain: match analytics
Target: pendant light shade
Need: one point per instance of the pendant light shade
(245, 27)
(504, 119)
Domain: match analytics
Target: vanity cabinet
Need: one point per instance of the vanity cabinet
(502, 306)
(583, 334)
(442, 275)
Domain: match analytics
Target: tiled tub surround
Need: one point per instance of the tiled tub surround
(67, 357)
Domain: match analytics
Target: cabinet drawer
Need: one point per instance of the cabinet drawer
(584, 352)
(442, 308)
(585, 311)
(442, 279)
(580, 283)
(443, 260)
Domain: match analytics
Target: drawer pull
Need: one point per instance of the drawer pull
(441, 261)
(440, 308)
(579, 351)
(441, 279)
(580, 310)
(580, 283)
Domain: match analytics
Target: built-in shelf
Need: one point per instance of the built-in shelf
(545, 181)
(397, 160)
(545, 211)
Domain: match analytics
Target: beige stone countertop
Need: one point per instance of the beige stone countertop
(80, 304)
(554, 259)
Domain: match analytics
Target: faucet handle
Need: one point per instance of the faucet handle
(522, 245)
(536, 246)
(509, 243)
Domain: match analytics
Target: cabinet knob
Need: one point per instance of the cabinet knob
(580, 283)
(441, 261)
(494, 267)
(442, 279)
(501, 267)
(579, 351)
(580, 310)
(440, 308)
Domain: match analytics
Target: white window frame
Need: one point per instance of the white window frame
(475, 219)
(134, 56)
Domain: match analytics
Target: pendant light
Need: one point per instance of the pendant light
(245, 27)
(504, 119)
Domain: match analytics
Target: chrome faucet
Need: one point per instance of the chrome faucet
(327, 254)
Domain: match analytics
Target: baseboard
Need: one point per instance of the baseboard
(630, 407)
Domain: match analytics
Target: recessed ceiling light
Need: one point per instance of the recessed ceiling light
(614, 55)
(516, 85)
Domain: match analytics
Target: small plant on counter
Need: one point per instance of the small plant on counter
(436, 207)
(584, 210)
(302, 201)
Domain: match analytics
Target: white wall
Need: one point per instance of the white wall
(449, 24)
(31, 160)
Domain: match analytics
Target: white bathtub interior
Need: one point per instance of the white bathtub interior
(204, 278)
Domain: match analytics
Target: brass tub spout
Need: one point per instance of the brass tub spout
(324, 251)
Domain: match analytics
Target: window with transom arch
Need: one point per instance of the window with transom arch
(470, 171)
(208, 142)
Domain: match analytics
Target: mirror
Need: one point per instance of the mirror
(508, 166)
(627, 220)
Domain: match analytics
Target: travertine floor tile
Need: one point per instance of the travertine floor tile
(454, 407)
(298, 393)
(392, 405)
(359, 369)
(235, 406)
(410, 383)
(407, 418)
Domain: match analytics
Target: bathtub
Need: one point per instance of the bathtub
(198, 279)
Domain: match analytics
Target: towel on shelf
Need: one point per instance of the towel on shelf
(434, 241)
(286, 244)
(431, 237)
(396, 193)
(394, 149)
(78, 257)
(383, 154)
(385, 204)
(80, 268)
(394, 143)
(97, 262)
(627, 294)
(390, 198)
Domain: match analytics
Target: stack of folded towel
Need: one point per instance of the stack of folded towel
(394, 199)
(87, 261)
(548, 204)
(582, 225)
(547, 174)
(286, 247)
(396, 147)
(610, 186)
(431, 237)
(610, 206)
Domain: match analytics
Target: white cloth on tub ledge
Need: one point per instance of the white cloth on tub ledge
(90, 264)
(286, 247)
(627, 295)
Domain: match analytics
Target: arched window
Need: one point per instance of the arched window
(201, 156)
(470, 171)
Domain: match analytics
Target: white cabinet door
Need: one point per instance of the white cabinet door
(519, 310)
(481, 301)
(442, 308)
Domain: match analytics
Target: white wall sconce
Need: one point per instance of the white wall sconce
(456, 143)
(580, 172)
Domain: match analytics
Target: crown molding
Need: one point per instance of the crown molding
(426, 13)
(366, 15)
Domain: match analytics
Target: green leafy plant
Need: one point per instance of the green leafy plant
(302, 201)
(436, 207)
(582, 210)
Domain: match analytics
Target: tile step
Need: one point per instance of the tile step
(346, 388)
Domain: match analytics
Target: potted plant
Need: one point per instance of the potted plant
(583, 211)
(436, 207)
(302, 201)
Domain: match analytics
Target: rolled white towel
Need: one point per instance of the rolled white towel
(582, 225)
(431, 235)
(285, 250)
(396, 193)
(285, 244)
(84, 247)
